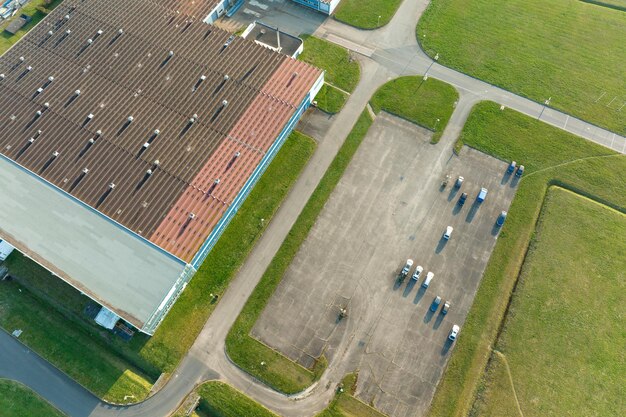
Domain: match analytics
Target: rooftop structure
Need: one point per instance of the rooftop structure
(274, 39)
(132, 132)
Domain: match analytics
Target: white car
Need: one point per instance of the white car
(454, 332)
(429, 278)
(407, 267)
(417, 273)
(448, 233)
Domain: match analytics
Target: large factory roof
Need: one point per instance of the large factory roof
(145, 113)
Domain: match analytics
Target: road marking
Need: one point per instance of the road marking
(566, 120)
(368, 52)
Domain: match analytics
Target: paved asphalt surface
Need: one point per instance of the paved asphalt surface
(384, 54)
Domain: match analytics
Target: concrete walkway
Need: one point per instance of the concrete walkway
(386, 53)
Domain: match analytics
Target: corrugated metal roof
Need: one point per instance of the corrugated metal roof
(101, 77)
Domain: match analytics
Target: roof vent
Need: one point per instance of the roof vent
(1, 76)
(99, 32)
(85, 171)
(119, 32)
(98, 132)
(88, 119)
(29, 68)
(200, 80)
(67, 17)
(130, 119)
(156, 132)
(55, 154)
(89, 41)
(22, 59)
(112, 185)
(31, 140)
(92, 141)
(50, 33)
(39, 91)
(225, 103)
(149, 172)
(38, 114)
(226, 77)
(37, 133)
(77, 93)
(212, 187)
(46, 105)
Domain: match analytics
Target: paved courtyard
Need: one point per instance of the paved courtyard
(388, 207)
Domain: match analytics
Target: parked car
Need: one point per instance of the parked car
(435, 304)
(417, 273)
(462, 199)
(445, 308)
(448, 232)
(501, 218)
(429, 278)
(459, 182)
(407, 268)
(511, 167)
(454, 332)
(520, 171)
(482, 195)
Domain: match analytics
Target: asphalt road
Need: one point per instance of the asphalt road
(385, 53)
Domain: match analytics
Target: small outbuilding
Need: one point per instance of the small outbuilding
(17, 23)
(324, 6)
(274, 39)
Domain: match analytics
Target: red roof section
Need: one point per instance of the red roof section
(252, 136)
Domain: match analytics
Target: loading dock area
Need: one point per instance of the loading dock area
(389, 207)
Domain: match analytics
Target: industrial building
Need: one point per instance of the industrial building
(324, 6)
(130, 135)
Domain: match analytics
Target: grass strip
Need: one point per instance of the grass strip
(218, 399)
(16, 400)
(68, 347)
(370, 14)
(427, 103)
(568, 51)
(554, 157)
(248, 353)
(55, 327)
(330, 100)
(341, 69)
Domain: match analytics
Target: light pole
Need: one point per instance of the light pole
(378, 24)
(545, 104)
(436, 123)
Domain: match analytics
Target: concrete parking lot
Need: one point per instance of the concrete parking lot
(388, 207)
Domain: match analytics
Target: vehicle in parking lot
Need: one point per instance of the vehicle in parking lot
(501, 218)
(417, 273)
(435, 304)
(511, 167)
(445, 308)
(406, 269)
(454, 332)
(520, 171)
(482, 195)
(459, 182)
(448, 233)
(462, 199)
(429, 278)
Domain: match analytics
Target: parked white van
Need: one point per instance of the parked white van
(429, 278)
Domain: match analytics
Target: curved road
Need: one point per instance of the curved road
(385, 54)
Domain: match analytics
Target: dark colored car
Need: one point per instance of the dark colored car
(462, 199)
(435, 305)
(520, 171)
(501, 218)
(511, 167)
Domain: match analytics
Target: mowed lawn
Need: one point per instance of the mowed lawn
(18, 401)
(342, 71)
(369, 14)
(564, 336)
(567, 50)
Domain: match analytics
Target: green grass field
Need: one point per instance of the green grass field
(553, 157)
(330, 100)
(427, 103)
(571, 51)
(370, 14)
(17, 400)
(7, 40)
(562, 337)
(342, 71)
(279, 372)
(63, 336)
